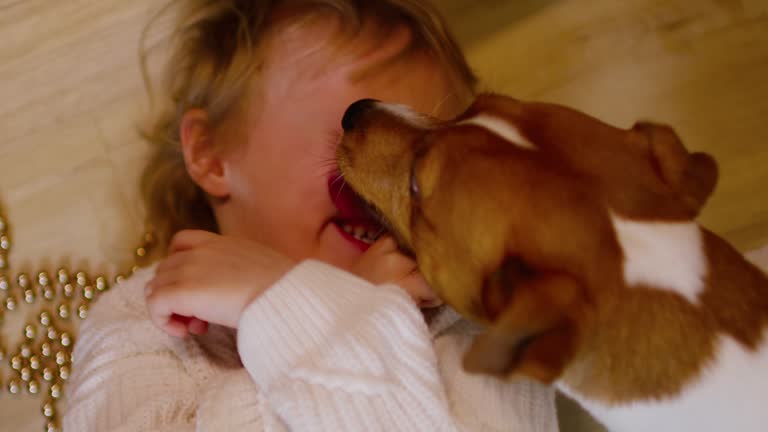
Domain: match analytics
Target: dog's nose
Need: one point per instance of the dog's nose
(352, 115)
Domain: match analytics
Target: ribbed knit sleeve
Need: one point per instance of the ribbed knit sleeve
(334, 353)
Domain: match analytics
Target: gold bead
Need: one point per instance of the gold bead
(22, 280)
(25, 350)
(149, 239)
(66, 339)
(51, 426)
(64, 373)
(101, 284)
(55, 390)
(29, 296)
(82, 311)
(63, 310)
(25, 373)
(63, 276)
(43, 279)
(61, 358)
(33, 387)
(88, 292)
(52, 333)
(14, 387)
(47, 374)
(30, 332)
(49, 409)
(68, 290)
(17, 362)
(141, 252)
(10, 303)
(45, 318)
(5, 284)
(48, 292)
(46, 349)
(34, 362)
(119, 279)
(5, 243)
(81, 278)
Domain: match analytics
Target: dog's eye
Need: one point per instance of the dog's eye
(415, 192)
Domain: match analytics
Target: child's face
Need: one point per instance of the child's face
(279, 168)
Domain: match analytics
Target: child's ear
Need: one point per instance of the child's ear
(202, 160)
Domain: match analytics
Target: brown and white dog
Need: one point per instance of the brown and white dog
(575, 244)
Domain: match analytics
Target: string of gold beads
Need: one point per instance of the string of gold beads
(40, 364)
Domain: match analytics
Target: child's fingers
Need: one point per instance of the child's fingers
(197, 326)
(175, 327)
(420, 291)
(188, 239)
(385, 244)
(174, 261)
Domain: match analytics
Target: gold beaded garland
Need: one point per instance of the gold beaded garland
(45, 349)
(25, 350)
(30, 332)
(34, 362)
(64, 372)
(10, 303)
(82, 311)
(25, 373)
(14, 387)
(29, 296)
(55, 390)
(16, 362)
(51, 426)
(63, 310)
(45, 352)
(49, 409)
(65, 339)
(45, 318)
(47, 374)
(33, 387)
(52, 333)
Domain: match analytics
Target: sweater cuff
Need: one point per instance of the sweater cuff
(301, 314)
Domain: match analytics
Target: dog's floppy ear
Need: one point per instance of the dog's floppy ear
(535, 335)
(692, 175)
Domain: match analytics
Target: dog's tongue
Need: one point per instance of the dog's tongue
(351, 207)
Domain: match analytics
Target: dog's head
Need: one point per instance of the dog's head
(511, 189)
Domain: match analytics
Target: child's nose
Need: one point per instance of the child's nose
(352, 115)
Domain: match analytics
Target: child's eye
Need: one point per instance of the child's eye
(415, 191)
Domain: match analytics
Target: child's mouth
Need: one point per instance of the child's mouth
(354, 220)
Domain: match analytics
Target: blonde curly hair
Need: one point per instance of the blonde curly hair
(215, 57)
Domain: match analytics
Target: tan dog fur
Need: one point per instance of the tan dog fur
(521, 240)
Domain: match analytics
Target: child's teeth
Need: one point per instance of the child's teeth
(359, 232)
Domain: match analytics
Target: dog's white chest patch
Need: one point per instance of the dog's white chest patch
(500, 127)
(665, 255)
(728, 395)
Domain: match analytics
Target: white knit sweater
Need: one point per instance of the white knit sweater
(322, 350)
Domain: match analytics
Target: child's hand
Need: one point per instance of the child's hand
(384, 263)
(209, 278)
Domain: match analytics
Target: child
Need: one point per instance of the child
(260, 238)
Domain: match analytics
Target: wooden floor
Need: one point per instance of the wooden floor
(71, 97)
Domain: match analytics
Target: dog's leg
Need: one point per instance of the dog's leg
(535, 335)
